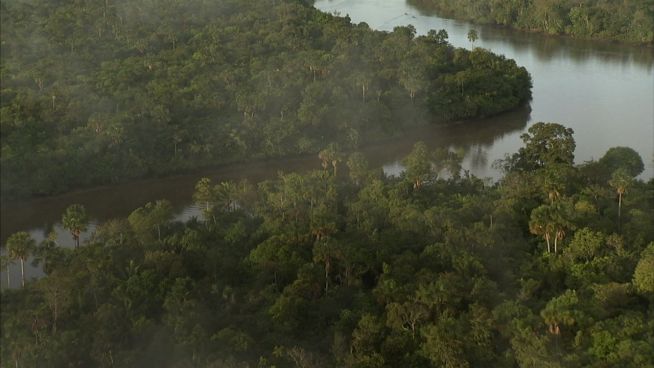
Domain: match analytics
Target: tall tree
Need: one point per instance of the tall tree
(151, 217)
(5, 264)
(358, 168)
(76, 221)
(620, 182)
(331, 156)
(19, 247)
(622, 157)
(472, 36)
(545, 144)
(418, 165)
(541, 224)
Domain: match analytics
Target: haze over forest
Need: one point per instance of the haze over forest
(337, 265)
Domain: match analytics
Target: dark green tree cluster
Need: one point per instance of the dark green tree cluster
(629, 20)
(344, 267)
(103, 91)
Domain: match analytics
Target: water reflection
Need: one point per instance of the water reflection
(41, 216)
(103, 203)
(473, 138)
(546, 47)
(604, 91)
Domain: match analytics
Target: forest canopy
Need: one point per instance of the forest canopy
(628, 20)
(345, 267)
(98, 92)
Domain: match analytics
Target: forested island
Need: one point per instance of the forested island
(627, 21)
(105, 91)
(553, 266)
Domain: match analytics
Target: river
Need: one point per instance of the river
(604, 91)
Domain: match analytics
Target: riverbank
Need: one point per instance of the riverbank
(630, 22)
(118, 200)
(580, 84)
(122, 103)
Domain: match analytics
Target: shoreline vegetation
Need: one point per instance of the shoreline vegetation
(231, 167)
(101, 93)
(346, 267)
(629, 22)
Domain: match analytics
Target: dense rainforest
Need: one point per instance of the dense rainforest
(98, 92)
(628, 20)
(553, 266)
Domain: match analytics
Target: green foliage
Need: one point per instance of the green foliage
(629, 21)
(103, 92)
(75, 220)
(356, 270)
(586, 245)
(546, 144)
(19, 247)
(150, 218)
(472, 36)
(644, 272)
(622, 158)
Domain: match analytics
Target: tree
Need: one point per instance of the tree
(48, 254)
(472, 36)
(358, 168)
(330, 156)
(152, 216)
(551, 222)
(442, 158)
(325, 250)
(406, 316)
(19, 247)
(443, 345)
(5, 264)
(413, 78)
(545, 144)
(561, 219)
(561, 311)
(225, 195)
(620, 182)
(586, 245)
(366, 338)
(76, 221)
(622, 158)
(363, 79)
(418, 165)
(438, 37)
(203, 194)
(540, 224)
(643, 278)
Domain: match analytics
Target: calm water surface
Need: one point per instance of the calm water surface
(605, 92)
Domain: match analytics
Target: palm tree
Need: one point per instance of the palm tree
(76, 221)
(620, 181)
(561, 212)
(472, 36)
(225, 194)
(20, 246)
(5, 262)
(330, 156)
(203, 194)
(551, 222)
(325, 251)
(541, 225)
